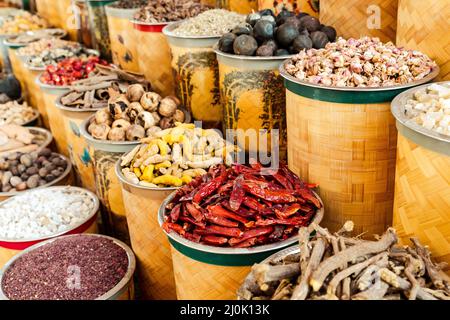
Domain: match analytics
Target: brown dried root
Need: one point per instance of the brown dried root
(345, 256)
(302, 289)
(376, 291)
(398, 282)
(265, 273)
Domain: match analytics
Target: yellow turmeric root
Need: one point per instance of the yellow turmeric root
(148, 175)
(168, 180)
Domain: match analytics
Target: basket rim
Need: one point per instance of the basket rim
(249, 58)
(115, 291)
(89, 217)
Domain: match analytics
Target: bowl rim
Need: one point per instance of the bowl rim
(429, 77)
(89, 217)
(169, 28)
(120, 287)
(8, 42)
(250, 58)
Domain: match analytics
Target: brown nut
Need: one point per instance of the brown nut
(178, 116)
(133, 110)
(103, 116)
(150, 101)
(121, 123)
(167, 107)
(118, 106)
(135, 92)
(116, 134)
(135, 132)
(145, 120)
(166, 123)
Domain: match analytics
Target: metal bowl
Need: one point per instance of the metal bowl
(428, 138)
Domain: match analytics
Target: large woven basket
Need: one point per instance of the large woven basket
(424, 26)
(345, 140)
(353, 18)
(149, 243)
(422, 183)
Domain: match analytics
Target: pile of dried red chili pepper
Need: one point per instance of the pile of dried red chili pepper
(242, 206)
(70, 70)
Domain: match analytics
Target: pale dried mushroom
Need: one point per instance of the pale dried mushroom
(116, 134)
(167, 107)
(135, 92)
(150, 101)
(135, 132)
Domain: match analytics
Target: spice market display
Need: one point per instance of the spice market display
(222, 150)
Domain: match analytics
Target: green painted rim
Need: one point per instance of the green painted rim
(229, 260)
(99, 3)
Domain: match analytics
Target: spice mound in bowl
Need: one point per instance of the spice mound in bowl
(430, 108)
(44, 213)
(135, 114)
(101, 264)
(21, 23)
(214, 22)
(35, 49)
(33, 36)
(128, 4)
(365, 62)
(242, 207)
(264, 34)
(173, 157)
(157, 11)
(13, 112)
(21, 171)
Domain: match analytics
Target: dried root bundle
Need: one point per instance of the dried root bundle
(337, 267)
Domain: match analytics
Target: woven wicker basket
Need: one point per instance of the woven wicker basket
(308, 6)
(155, 61)
(197, 76)
(345, 140)
(239, 6)
(104, 155)
(424, 26)
(34, 94)
(67, 18)
(354, 18)
(149, 243)
(422, 184)
(121, 33)
(56, 123)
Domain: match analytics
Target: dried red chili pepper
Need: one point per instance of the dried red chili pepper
(194, 212)
(224, 231)
(251, 234)
(209, 187)
(238, 193)
(276, 196)
(192, 221)
(287, 211)
(247, 243)
(220, 211)
(175, 213)
(214, 240)
(221, 221)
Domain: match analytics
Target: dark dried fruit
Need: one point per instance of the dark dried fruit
(319, 39)
(263, 30)
(330, 32)
(294, 21)
(281, 52)
(266, 12)
(286, 34)
(265, 51)
(310, 23)
(252, 18)
(271, 43)
(240, 30)
(302, 42)
(226, 42)
(245, 45)
(283, 15)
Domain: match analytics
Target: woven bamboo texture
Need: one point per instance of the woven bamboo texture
(424, 26)
(349, 150)
(78, 148)
(155, 61)
(109, 192)
(196, 280)
(422, 197)
(239, 6)
(67, 18)
(308, 6)
(123, 46)
(7, 254)
(42, 8)
(149, 243)
(352, 18)
(56, 123)
(35, 96)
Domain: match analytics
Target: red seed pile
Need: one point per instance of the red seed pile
(50, 272)
(241, 206)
